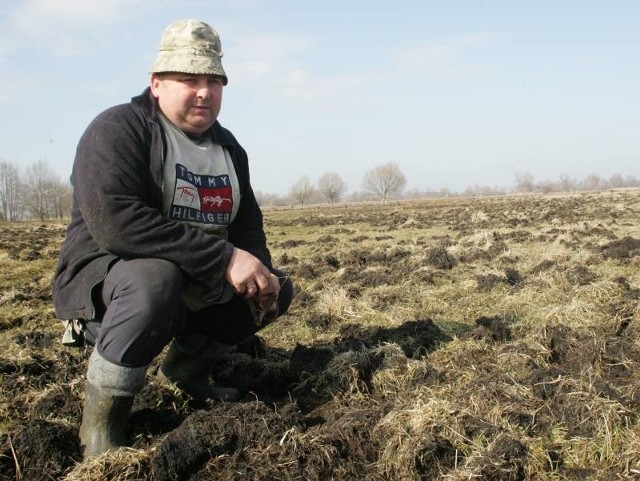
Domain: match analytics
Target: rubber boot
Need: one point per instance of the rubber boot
(188, 365)
(110, 392)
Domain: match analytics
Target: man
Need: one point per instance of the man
(166, 244)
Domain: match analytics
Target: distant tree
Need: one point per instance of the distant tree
(524, 182)
(592, 182)
(331, 187)
(301, 191)
(40, 191)
(360, 196)
(631, 181)
(384, 181)
(444, 192)
(62, 199)
(10, 204)
(270, 199)
(482, 190)
(566, 183)
(415, 193)
(546, 187)
(616, 181)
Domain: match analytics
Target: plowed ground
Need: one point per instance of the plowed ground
(454, 339)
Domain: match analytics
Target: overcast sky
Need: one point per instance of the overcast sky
(457, 93)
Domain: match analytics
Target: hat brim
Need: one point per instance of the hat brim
(192, 64)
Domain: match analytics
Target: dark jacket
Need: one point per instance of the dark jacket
(117, 209)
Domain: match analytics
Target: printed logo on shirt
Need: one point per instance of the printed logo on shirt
(203, 199)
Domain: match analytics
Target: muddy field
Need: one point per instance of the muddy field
(491, 339)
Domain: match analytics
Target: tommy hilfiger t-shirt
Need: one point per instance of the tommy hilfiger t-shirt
(200, 183)
(200, 188)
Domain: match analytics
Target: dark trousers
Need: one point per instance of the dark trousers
(140, 310)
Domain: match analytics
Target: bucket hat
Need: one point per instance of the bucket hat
(190, 46)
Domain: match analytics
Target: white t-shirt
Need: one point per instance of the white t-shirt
(200, 183)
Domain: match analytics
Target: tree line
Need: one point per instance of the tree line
(38, 193)
(383, 183)
(387, 182)
(34, 193)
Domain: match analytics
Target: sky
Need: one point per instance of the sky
(458, 93)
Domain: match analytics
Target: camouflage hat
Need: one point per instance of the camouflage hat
(190, 46)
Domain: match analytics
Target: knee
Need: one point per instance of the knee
(159, 297)
(160, 279)
(155, 285)
(144, 310)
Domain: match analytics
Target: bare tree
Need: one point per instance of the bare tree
(567, 184)
(593, 182)
(384, 181)
(524, 182)
(444, 192)
(62, 200)
(332, 187)
(10, 206)
(546, 187)
(616, 181)
(631, 181)
(477, 190)
(265, 199)
(40, 190)
(302, 190)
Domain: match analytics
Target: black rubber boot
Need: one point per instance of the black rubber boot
(109, 395)
(191, 372)
(104, 421)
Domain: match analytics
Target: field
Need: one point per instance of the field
(452, 339)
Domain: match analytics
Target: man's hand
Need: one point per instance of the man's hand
(251, 278)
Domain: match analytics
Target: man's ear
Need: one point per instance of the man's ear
(154, 83)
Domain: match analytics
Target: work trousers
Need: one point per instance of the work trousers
(139, 310)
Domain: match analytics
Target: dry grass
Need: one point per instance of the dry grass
(450, 339)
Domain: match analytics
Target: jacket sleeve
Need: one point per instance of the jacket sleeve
(247, 230)
(121, 203)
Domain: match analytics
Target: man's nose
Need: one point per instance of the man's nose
(204, 92)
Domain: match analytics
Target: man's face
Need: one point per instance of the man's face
(192, 102)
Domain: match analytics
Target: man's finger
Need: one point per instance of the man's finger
(263, 284)
(269, 302)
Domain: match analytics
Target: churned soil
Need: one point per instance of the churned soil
(491, 339)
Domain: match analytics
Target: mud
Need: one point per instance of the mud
(530, 392)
